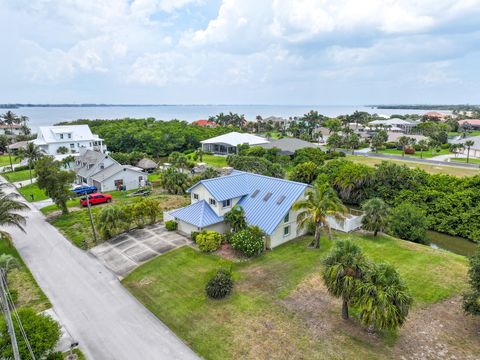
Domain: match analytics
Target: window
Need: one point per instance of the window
(61, 136)
(72, 146)
(286, 218)
(212, 202)
(195, 196)
(286, 231)
(227, 203)
(69, 136)
(118, 183)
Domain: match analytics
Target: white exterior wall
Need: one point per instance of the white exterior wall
(187, 229)
(51, 149)
(14, 131)
(131, 180)
(203, 194)
(277, 237)
(347, 225)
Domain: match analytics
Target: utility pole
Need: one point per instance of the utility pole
(8, 317)
(91, 219)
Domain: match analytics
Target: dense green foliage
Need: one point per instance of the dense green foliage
(155, 138)
(171, 225)
(10, 214)
(249, 241)
(42, 332)
(208, 241)
(257, 165)
(408, 222)
(305, 172)
(220, 285)
(376, 215)
(131, 158)
(174, 181)
(307, 154)
(471, 300)
(235, 218)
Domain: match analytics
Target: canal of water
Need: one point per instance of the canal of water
(450, 243)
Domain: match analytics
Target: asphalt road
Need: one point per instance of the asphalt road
(96, 309)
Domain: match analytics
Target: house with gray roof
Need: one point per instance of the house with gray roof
(288, 146)
(99, 169)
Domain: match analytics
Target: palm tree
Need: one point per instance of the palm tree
(9, 119)
(403, 141)
(32, 153)
(344, 268)
(469, 144)
(376, 215)
(319, 202)
(7, 262)
(236, 218)
(423, 145)
(109, 221)
(382, 298)
(9, 207)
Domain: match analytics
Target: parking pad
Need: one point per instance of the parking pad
(125, 252)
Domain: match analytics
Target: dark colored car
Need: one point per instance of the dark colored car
(87, 189)
(95, 198)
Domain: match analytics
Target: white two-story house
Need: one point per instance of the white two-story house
(72, 137)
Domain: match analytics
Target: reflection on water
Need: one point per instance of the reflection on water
(450, 243)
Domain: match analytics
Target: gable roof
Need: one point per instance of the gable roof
(288, 145)
(79, 133)
(474, 122)
(235, 138)
(393, 122)
(266, 200)
(199, 214)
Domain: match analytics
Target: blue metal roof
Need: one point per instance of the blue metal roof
(199, 214)
(261, 210)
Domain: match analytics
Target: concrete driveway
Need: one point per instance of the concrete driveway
(125, 252)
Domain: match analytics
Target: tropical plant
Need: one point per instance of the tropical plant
(9, 119)
(305, 172)
(63, 150)
(469, 144)
(32, 153)
(208, 241)
(334, 141)
(178, 160)
(110, 221)
(174, 181)
(8, 262)
(249, 241)
(320, 202)
(471, 300)
(220, 285)
(422, 145)
(171, 225)
(236, 218)
(403, 142)
(344, 268)
(376, 215)
(379, 139)
(408, 222)
(152, 209)
(9, 216)
(352, 141)
(382, 298)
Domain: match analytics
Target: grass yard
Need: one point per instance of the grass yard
(21, 280)
(215, 161)
(32, 189)
(464, 160)
(430, 168)
(4, 161)
(76, 224)
(426, 154)
(16, 176)
(279, 308)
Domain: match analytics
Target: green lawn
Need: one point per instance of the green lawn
(32, 189)
(464, 160)
(276, 296)
(4, 161)
(153, 177)
(215, 161)
(21, 280)
(411, 163)
(16, 176)
(426, 154)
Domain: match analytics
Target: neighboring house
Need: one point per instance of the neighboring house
(474, 123)
(394, 124)
(282, 123)
(99, 169)
(18, 145)
(434, 115)
(395, 136)
(288, 146)
(72, 137)
(322, 134)
(474, 149)
(10, 129)
(227, 143)
(204, 123)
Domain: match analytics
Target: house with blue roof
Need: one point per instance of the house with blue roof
(267, 203)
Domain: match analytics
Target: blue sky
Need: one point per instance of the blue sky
(240, 51)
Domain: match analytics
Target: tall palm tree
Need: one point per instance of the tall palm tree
(344, 268)
(423, 145)
(9, 119)
(319, 202)
(32, 153)
(376, 215)
(9, 207)
(383, 298)
(469, 144)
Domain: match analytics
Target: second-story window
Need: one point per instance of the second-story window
(69, 136)
(195, 196)
(61, 136)
(212, 202)
(286, 218)
(227, 203)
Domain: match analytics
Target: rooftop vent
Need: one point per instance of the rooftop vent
(280, 199)
(267, 196)
(255, 193)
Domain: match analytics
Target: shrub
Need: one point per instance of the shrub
(410, 150)
(408, 222)
(194, 235)
(208, 241)
(249, 241)
(171, 225)
(220, 285)
(391, 145)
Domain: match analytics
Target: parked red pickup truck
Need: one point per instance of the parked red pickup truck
(95, 198)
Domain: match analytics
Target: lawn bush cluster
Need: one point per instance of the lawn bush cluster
(220, 285)
(171, 225)
(249, 241)
(208, 241)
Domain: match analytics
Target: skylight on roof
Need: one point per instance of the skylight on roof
(280, 199)
(269, 194)
(255, 193)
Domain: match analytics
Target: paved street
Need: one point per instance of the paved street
(95, 308)
(125, 252)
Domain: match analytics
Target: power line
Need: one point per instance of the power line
(8, 318)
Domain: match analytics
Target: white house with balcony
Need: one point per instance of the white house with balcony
(72, 137)
(227, 143)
